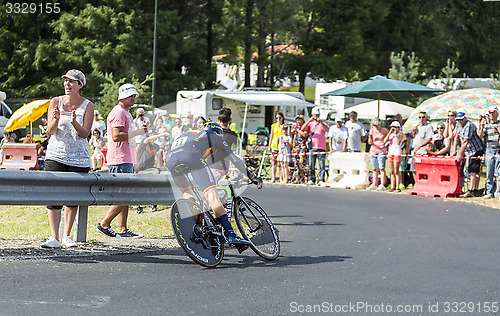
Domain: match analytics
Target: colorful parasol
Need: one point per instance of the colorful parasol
(474, 102)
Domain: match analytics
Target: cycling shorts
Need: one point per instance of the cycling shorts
(182, 162)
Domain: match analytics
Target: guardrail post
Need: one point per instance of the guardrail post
(81, 223)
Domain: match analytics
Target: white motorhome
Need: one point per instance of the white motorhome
(333, 106)
(250, 109)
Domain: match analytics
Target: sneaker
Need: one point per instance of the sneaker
(467, 194)
(234, 240)
(402, 186)
(51, 243)
(310, 182)
(129, 234)
(68, 242)
(478, 192)
(380, 188)
(107, 231)
(487, 197)
(372, 187)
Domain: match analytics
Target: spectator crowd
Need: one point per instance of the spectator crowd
(389, 146)
(296, 146)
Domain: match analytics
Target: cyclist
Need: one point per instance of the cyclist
(191, 149)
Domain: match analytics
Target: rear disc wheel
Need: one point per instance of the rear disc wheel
(197, 233)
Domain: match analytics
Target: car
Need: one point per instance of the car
(5, 114)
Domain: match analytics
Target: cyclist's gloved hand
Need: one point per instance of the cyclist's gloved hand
(257, 181)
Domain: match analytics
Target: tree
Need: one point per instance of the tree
(399, 71)
(338, 39)
(449, 71)
(109, 91)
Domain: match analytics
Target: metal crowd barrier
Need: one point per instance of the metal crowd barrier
(83, 189)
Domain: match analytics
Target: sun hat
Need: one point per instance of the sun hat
(75, 74)
(127, 90)
(460, 115)
(395, 124)
(315, 110)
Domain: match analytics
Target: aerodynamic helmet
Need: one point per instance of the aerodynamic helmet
(212, 127)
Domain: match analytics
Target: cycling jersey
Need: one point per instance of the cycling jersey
(196, 150)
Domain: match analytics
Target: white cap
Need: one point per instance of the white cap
(395, 124)
(492, 109)
(339, 119)
(96, 112)
(315, 110)
(126, 91)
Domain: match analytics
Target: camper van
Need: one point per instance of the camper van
(251, 110)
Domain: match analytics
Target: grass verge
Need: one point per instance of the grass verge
(31, 222)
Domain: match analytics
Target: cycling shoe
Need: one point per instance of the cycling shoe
(234, 240)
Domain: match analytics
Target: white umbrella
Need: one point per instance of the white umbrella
(369, 110)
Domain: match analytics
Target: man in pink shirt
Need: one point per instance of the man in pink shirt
(316, 130)
(121, 156)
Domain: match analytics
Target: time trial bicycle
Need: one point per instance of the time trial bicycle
(201, 236)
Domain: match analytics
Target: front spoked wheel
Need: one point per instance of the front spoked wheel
(197, 233)
(256, 227)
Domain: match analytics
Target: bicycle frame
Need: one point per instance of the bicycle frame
(233, 200)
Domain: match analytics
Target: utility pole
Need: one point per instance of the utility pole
(153, 88)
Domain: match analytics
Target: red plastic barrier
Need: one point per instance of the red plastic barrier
(104, 164)
(437, 177)
(18, 156)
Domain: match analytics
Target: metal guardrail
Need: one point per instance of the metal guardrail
(83, 189)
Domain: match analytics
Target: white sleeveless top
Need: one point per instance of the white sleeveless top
(66, 146)
(394, 148)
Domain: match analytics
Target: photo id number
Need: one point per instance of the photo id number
(31, 8)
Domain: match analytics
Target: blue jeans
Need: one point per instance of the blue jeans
(492, 166)
(121, 168)
(312, 164)
(378, 160)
